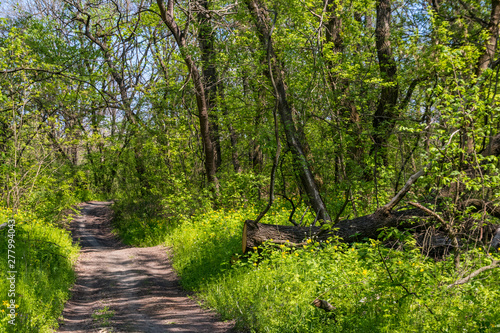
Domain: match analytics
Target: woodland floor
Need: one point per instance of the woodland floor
(137, 287)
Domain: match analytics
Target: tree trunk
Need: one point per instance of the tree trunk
(255, 234)
(167, 16)
(385, 116)
(487, 57)
(276, 74)
(206, 42)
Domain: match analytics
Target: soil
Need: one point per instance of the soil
(127, 289)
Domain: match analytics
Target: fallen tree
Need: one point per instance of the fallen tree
(254, 234)
(368, 226)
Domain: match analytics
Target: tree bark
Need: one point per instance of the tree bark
(210, 78)
(255, 234)
(385, 116)
(486, 58)
(276, 74)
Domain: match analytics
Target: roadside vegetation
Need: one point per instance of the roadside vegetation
(381, 285)
(43, 264)
(374, 120)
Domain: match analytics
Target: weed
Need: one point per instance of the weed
(44, 263)
(103, 316)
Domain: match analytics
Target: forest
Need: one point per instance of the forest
(313, 165)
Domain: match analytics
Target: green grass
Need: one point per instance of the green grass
(374, 288)
(44, 257)
(103, 316)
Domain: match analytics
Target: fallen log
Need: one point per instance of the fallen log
(436, 243)
(255, 234)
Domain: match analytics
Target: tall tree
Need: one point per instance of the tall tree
(276, 74)
(214, 84)
(167, 15)
(385, 116)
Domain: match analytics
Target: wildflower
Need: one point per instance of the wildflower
(296, 254)
(255, 248)
(365, 272)
(327, 241)
(255, 264)
(421, 269)
(308, 241)
(335, 247)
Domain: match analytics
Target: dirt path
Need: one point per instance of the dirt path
(126, 289)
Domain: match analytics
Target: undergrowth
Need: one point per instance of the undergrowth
(44, 257)
(373, 288)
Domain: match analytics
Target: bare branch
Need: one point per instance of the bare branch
(494, 264)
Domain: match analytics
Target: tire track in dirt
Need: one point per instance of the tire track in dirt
(127, 289)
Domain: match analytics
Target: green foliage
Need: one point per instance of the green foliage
(44, 258)
(374, 288)
(103, 316)
(106, 109)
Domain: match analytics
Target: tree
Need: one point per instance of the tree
(276, 75)
(167, 15)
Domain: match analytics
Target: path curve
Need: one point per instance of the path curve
(127, 289)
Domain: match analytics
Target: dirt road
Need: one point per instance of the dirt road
(126, 289)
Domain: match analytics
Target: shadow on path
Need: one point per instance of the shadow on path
(127, 289)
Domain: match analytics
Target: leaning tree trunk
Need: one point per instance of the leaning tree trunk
(276, 74)
(255, 234)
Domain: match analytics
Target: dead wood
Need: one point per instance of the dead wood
(494, 264)
(357, 229)
(324, 305)
(255, 234)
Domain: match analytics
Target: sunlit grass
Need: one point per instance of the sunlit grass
(374, 288)
(44, 264)
(274, 291)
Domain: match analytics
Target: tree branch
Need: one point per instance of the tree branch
(494, 264)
